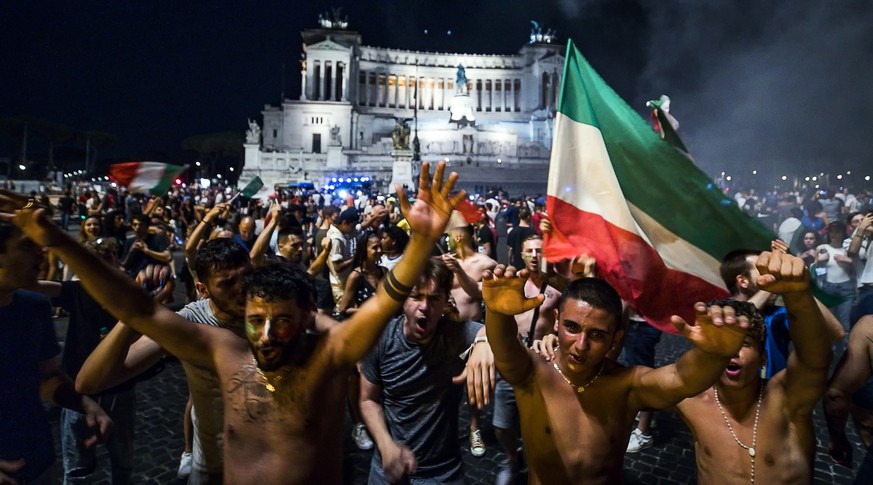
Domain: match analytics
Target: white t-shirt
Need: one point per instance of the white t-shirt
(836, 272)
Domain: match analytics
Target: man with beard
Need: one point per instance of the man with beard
(284, 389)
(747, 429)
(221, 265)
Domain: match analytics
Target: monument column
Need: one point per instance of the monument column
(303, 75)
(345, 81)
(366, 96)
(321, 84)
(333, 71)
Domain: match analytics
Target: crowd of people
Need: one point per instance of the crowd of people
(308, 309)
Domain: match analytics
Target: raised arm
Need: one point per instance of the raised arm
(503, 293)
(263, 242)
(717, 335)
(123, 354)
(427, 219)
(806, 375)
(468, 284)
(853, 371)
(112, 289)
(201, 232)
(317, 265)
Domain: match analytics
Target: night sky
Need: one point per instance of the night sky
(754, 83)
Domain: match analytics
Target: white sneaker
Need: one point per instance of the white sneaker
(477, 444)
(639, 441)
(184, 466)
(362, 438)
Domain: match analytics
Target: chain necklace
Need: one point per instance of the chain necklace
(271, 386)
(578, 389)
(750, 449)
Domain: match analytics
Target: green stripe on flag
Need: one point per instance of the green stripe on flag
(252, 187)
(653, 175)
(167, 178)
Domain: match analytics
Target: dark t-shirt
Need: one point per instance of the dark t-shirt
(66, 204)
(418, 397)
(89, 322)
(27, 338)
(484, 235)
(139, 260)
(517, 236)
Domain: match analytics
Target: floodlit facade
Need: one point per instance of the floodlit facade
(490, 117)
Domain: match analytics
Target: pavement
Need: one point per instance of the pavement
(159, 442)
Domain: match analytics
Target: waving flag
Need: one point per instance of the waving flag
(657, 226)
(154, 177)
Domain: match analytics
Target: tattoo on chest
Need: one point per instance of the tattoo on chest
(249, 398)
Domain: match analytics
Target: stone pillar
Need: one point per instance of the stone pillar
(445, 105)
(345, 81)
(332, 80)
(321, 85)
(503, 102)
(303, 75)
(491, 96)
(366, 96)
(512, 95)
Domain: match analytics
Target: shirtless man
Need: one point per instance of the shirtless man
(467, 265)
(576, 409)
(284, 389)
(505, 418)
(747, 429)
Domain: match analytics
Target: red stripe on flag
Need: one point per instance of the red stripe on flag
(123, 173)
(628, 263)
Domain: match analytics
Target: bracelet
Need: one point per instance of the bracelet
(398, 285)
(480, 338)
(469, 350)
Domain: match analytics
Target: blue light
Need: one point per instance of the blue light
(333, 179)
(356, 179)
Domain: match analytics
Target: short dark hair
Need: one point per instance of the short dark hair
(142, 219)
(597, 293)
(532, 237)
(289, 231)
(218, 254)
(329, 210)
(757, 328)
(348, 215)
(436, 271)
(398, 235)
(281, 281)
(524, 212)
(734, 264)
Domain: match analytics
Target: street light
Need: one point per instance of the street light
(198, 164)
(231, 169)
(784, 177)
(21, 167)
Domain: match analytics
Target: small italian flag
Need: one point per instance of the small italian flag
(154, 177)
(656, 224)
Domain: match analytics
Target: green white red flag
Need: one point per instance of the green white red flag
(154, 177)
(656, 224)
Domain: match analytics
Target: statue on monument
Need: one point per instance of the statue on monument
(461, 80)
(253, 134)
(400, 135)
(335, 135)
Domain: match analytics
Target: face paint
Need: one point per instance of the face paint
(250, 329)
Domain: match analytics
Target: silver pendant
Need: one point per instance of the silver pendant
(751, 452)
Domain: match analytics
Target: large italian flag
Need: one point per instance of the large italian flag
(657, 226)
(154, 177)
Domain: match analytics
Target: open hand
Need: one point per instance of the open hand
(716, 330)
(434, 205)
(503, 291)
(479, 375)
(547, 346)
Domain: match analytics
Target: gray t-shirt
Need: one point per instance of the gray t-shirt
(418, 397)
(208, 414)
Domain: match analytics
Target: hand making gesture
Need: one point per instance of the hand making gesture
(503, 291)
(434, 204)
(782, 273)
(717, 330)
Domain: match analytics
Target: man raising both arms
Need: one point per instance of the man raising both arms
(284, 390)
(750, 430)
(576, 410)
